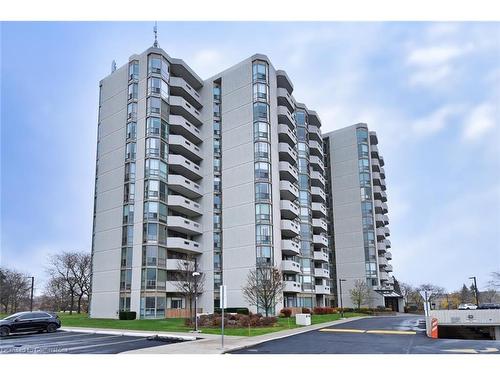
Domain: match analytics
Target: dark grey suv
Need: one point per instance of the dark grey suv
(29, 321)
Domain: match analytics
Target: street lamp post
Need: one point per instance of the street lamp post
(31, 294)
(341, 305)
(476, 292)
(195, 276)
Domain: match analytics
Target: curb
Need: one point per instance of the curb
(127, 333)
(316, 327)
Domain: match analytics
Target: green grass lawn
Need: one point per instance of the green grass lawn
(177, 324)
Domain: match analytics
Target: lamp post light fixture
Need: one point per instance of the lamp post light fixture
(195, 275)
(341, 305)
(476, 292)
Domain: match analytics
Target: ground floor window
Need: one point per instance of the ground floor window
(153, 306)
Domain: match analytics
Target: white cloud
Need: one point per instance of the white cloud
(434, 122)
(436, 55)
(479, 122)
(430, 76)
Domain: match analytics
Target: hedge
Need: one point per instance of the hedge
(127, 315)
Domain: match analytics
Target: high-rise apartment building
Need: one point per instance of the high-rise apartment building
(357, 216)
(225, 173)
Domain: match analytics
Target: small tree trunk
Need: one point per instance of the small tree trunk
(79, 306)
(72, 305)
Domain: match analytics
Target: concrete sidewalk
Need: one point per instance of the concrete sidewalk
(211, 344)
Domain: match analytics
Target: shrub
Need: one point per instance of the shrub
(268, 321)
(306, 310)
(324, 310)
(127, 315)
(235, 310)
(286, 312)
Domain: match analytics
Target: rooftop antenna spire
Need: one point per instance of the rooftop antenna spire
(155, 31)
(113, 66)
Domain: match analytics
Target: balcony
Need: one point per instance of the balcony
(184, 186)
(180, 145)
(289, 210)
(318, 209)
(287, 153)
(171, 287)
(319, 239)
(386, 219)
(377, 192)
(376, 178)
(317, 163)
(317, 179)
(320, 225)
(316, 148)
(379, 220)
(381, 159)
(183, 245)
(285, 117)
(388, 255)
(382, 173)
(289, 228)
(315, 133)
(285, 134)
(288, 191)
(179, 106)
(313, 118)
(179, 87)
(373, 138)
(383, 275)
(183, 225)
(375, 165)
(288, 172)
(285, 99)
(318, 194)
(374, 151)
(290, 247)
(385, 209)
(381, 246)
(382, 261)
(388, 268)
(179, 264)
(322, 273)
(380, 234)
(322, 289)
(183, 205)
(291, 287)
(321, 256)
(289, 266)
(387, 231)
(283, 81)
(182, 166)
(179, 125)
(387, 243)
(382, 185)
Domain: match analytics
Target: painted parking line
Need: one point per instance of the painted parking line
(342, 330)
(373, 331)
(387, 332)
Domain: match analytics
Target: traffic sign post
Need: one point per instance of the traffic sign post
(426, 295)
(223, 303)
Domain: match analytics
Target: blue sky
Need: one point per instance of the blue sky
(430, 90)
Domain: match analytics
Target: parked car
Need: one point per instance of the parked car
(29, 321)
(467, 306)
(489, 306)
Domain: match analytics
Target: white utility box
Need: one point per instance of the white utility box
(303, 319)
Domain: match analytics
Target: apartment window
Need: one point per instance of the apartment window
(366, 208)
(217, 164)
(262, 170)
(217, 183)
(264, 255)
(154, 189)
(364, 165)
(133, 90)
(150, 232)
(129, 192)
(262, 150)
(261, 131)
(128, 214)
(125, 279)
(259, 71)
(217, 260)
(363, 150)
(366, 193)
(133, 70)
(216, 127)
(217, 109)
(132, 111)
(364, 179)
(217, 279)
(263, 212)
(154, 105)
(304, 198)
(217, 221)
(303, 149)
(216, 92)
(155, 211)
(260, 111)
(302, 134)
(300, 118)
(217, 240)
(260, 91)
(217, 202)
(131, 130)
(303, 166)
(155, 167)
(216, 146)
(262, 191)
(156, 127)
(126, 261)
(129, 171)
(127, 235)
(157, 86)
(124, 303)
(149, 255)
(303, 181)
(158, 66)
(149, 278)
(362, 135)
(371, 269)
(156, 148)
(263, 234)
(130, 151)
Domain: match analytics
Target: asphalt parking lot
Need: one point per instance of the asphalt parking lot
(61, 342)
(378, 335)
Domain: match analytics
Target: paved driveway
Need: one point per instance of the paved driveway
(74, 343)
(403, 334)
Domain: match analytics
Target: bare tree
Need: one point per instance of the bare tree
(264, 288)
(64, 266)
(15, 290)
(494, 283)
(406, 291)
(360, 294)
(81, 273)
(187, 284)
